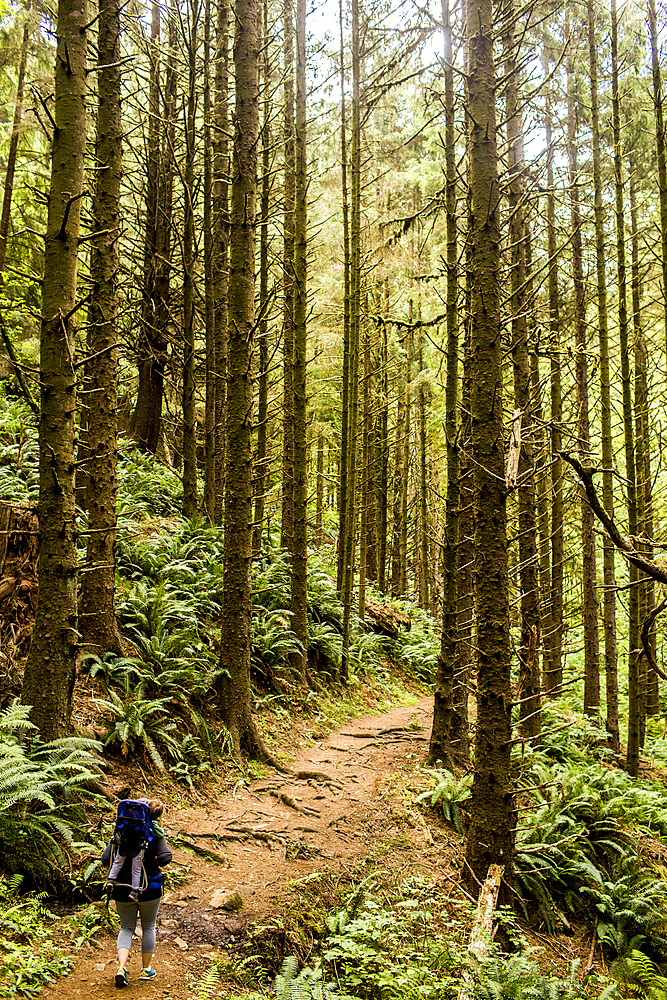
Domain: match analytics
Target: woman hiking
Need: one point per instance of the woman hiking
(137, 834)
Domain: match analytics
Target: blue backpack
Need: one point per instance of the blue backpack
(134, 830)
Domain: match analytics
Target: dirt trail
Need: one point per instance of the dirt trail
(335, 809)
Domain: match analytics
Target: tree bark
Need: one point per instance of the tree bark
(591, 683)
(50, 668)
(209, 281)
(145, 427)
(355, 326)
(529, 661)
(643, 442)
(287, 521)
(189, 508)
(345, 389)
(489, 832)
(261, 464)
(14, 140)
(220, 244)
(589, 601)
(97, 620)
(299, 588)
(233, 685)
(661, 152)
(382, 447)
(441, 746)
(553, 677)
(634, 640)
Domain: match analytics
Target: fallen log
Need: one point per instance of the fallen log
(385, 620)
(482, 928)
(486, 904)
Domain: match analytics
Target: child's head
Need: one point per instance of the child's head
(156, 807)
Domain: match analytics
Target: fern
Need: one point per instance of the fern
(208, 985)
(307, 985)
(40, 784)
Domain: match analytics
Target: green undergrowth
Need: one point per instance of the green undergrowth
(43, 794)
(373, 937)
(29, 958)
(159, 702)
(587, 840)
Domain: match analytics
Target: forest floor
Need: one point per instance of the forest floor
(348, 801)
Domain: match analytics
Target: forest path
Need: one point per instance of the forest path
(344, 801)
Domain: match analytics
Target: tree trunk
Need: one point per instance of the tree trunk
(14, 140)
(319, 487)
(145, 425)
(634, 640)
(299, 587)
(660, 147)
(382, 447)
(529, 661)
(287, 522)
(405, 465)
(188, 400)
(542, 477)
(589, 601)
(553, 677)
(355, 326)
(220, 245)
(233, 685)
(591, 683)
(397, 518)
(441, 748)
(424, 527)
(97, 620)
(50, 668)
(261, 464)
(643, 440)
(209, 284)
(489, 831)
(365, 473)
(345, 394)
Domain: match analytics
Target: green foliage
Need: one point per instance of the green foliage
(575, 843)
(209, 984)
(402, 946)
(417, 650)
(41, 786)
(448, 792)
(637, 970)
(632, 909)
(308, 984)
(146, 489)
(139, 725)
(518, 977)
(28, 957)
(19, 451)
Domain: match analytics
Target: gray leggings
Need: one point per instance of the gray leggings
(128, 921)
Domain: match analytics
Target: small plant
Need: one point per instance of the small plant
(140, 725)
(448, 792)
(308, 984)
(41, 787)
(28, 957)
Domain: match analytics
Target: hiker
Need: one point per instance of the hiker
(137, 835)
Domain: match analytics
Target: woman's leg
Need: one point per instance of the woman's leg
(149, 912)
(128, 921)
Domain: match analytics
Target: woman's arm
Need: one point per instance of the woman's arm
(163, 853)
